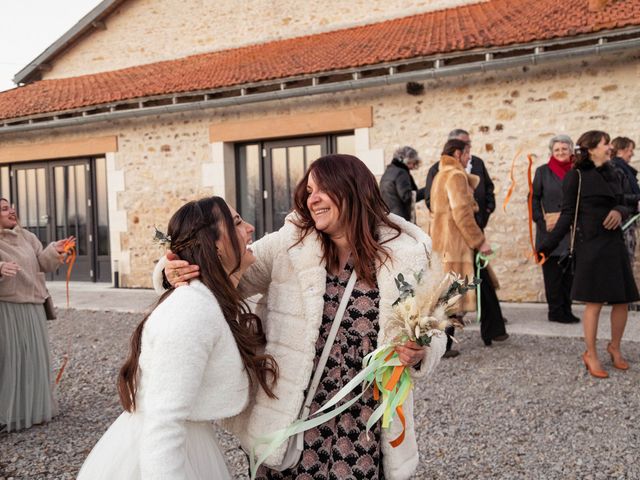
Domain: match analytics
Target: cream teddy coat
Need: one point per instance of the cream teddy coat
(292, 281)
(190, 371)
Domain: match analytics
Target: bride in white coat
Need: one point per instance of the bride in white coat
(191, 361)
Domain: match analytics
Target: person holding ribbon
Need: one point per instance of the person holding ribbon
(340, 236)
(546, 205)
(26, 396)
(457, 237)
(192, 360)
(593, 204)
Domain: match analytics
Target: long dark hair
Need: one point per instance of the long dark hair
(194, 230)
(588, 140)
(353, 188)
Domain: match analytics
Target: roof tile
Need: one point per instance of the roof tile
(489, 24)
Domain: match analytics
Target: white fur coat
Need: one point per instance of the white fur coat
(190, 370)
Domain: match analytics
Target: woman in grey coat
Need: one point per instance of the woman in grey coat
(547, 203)
(397, 185)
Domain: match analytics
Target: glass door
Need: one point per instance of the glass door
(268, 172)
(72, 214)
(31, 200)
(285, 164)
(58, 199)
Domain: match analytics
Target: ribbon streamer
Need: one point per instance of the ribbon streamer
(69, 249)
(630, 222)
(538, 258)
(391, 383)
(482, 261)
(512, 178)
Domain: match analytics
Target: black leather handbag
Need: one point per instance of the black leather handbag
(567, 262)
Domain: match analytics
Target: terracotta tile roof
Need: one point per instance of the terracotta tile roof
(489, 24)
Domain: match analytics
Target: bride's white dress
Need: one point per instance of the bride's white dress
(190, 374)
(114, 456)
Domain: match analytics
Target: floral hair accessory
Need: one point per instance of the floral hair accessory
(161, 237)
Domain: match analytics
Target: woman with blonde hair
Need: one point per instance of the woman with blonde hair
(593, 204)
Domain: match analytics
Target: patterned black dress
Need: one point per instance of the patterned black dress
(339, 449)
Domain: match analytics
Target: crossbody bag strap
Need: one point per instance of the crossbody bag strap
(575, 216)
(337, 320)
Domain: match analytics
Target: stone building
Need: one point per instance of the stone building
(146, 104)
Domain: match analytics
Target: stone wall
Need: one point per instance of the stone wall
(514, 111)
(147, 31)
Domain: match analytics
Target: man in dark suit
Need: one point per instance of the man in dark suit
(483, 193)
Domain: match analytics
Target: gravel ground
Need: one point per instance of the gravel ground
(524, 409)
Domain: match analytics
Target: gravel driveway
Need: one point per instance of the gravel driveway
(524, 409)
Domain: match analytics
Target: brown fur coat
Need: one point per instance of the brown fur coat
(454, 230)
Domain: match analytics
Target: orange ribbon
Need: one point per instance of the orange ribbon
(395, 376)
(512, 186)
(400, 438)
(69, 248)
(65, 360)
(538, 258)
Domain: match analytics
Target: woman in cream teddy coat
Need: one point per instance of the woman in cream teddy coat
(291, 274)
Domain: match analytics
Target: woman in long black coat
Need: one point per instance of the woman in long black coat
(602, 269)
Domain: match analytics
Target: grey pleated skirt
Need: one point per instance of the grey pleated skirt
(26, 397)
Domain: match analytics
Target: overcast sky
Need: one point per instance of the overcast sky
(28, 27)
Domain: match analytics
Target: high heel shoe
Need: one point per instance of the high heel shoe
(594, 373)
(618, 363)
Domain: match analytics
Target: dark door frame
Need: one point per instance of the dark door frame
(89, 163)
(328, 144)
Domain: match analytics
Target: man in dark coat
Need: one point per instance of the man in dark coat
(397, 184)
(483, 194)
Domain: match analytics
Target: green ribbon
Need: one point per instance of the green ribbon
(482, 261)
(630, 221)
(376, 369)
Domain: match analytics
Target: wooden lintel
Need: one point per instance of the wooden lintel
(291, 125)
(61, 149)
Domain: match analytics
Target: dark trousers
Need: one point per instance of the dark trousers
(557, 287)
(491, 320)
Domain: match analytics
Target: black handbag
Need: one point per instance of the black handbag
(49, 309)
(567, 262)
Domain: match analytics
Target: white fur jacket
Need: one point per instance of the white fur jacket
(190, 370)
(292, 281)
